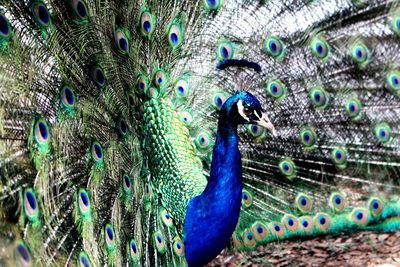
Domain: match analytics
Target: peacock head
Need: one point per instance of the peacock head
(244, 108)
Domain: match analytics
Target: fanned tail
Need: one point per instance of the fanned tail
(328, 82)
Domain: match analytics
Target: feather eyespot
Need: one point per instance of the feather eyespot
(182, 88)
(31, 208)
(260, 231)
(218, 100)
(288, 168)
(186, 117)
(122, 41)
(203, 141)
(160, 79)
(42, 131)
(226, 50)
(360, 216)
(247, 198)
(147, 189)
(303, 202)
(291, 223)
(319, 97)
(339, 156)
(360, 54)
(96, 152)
(127, 184)
(5, 28)
(277, 229)
(213, 5)
(175, 35)
(158, 241)
(22, 255)
(248, 239)
(67, 96)
(320, 48)
(337, 202)
(109, 236)
(276, 89)
(142, 84)
(84, 260)
(147, 24)
(84, 203)
(133, 250)
(353, 108)
(396, 24)
(375, 205)
(98, 76)
(274, 47)
(393, 81)
(237, 240)
(41, 13)
(131, 100)
(322, 221)
(123, 128)
(166, 218)
(255, 130)
(179, 247)
(383, 132)
(306, 223)
(308, 137)
(80, 8)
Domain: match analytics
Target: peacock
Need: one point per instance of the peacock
(160, 132)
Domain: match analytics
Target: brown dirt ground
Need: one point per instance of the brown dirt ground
(360, 249)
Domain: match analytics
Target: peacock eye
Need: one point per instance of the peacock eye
(147, 24)
(360, 54)
(175, 35)
(84, 260)
(396, 24)
(320, 48)
(122, 41)
(98, 76)
(383, 133)
(5, 28)
(248, 111)
(393, 81)
(41, 13)
(225, 51)
(22, 255)
(274, 47)
(80, 8)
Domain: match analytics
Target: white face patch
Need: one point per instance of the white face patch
(241, 110)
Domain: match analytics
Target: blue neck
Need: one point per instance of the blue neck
(226, 156)
(212, 217)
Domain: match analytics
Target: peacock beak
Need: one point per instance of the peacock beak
(266, 123)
